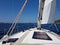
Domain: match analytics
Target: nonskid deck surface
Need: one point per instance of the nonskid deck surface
(27, 37)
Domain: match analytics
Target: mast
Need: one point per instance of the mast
(40, 12)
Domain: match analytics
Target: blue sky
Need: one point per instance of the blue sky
(10, 8)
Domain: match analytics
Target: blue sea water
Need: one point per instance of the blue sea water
(4, 27)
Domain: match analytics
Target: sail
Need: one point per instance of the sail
(49, 11)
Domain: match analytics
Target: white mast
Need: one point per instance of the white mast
(41, 7)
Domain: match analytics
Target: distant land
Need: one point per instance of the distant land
(57, 21)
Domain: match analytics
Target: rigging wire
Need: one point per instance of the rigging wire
(55, 27)
(16, 19)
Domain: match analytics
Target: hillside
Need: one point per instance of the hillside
(57, 21)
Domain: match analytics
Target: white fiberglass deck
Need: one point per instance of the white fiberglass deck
(29, 40)
(25, 38)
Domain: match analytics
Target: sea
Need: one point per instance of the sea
(4, 27)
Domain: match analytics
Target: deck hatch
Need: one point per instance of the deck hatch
(41, 35)
(10, 40)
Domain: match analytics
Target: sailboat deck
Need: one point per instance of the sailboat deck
(27, 38)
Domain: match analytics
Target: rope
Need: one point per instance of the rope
(16, 19)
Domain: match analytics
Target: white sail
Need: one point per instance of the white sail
(49, 11)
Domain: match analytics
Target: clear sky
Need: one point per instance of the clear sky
(10, 8)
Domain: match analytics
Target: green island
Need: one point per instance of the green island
(57, 21)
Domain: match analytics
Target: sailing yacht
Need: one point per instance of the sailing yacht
(37, 35)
